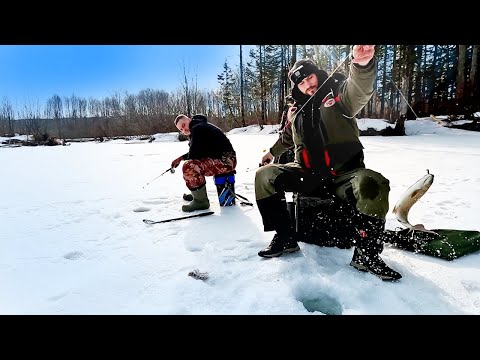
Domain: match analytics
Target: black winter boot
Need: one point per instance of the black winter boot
(276, 217)
(279, 245)
(369, 246)
(373, 264)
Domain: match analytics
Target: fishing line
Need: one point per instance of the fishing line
(416, 116)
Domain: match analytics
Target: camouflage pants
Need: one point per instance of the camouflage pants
(194, 171)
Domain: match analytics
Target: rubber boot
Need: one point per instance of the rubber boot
(199, 202)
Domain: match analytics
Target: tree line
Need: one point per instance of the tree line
(412, 80)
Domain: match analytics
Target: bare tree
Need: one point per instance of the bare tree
(94, 107)
(460, 80)
(418, 77)
(188, 100)
(82, 107)
(75, 104)
(294, 56)
(34, 125)
(384, 82)
(242, 105)
(404, 90)
(473, 70)
(67, 107)
(7, 115)
(393, 89)
(54, 110)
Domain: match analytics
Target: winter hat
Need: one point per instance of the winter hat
(301, 69)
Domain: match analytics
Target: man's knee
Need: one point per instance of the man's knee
(371, 183)
(264, 181)
(371, 191)
(369, 188)
(187, 166)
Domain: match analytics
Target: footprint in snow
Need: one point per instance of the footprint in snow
(73, 255)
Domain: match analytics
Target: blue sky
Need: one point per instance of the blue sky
(36, 72)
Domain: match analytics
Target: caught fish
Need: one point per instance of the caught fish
(409, 198)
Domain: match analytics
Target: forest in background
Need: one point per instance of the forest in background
(412, 80)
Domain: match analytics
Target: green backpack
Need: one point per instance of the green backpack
(448, 244)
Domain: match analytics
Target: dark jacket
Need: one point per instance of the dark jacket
(325, 132)
(207, 140)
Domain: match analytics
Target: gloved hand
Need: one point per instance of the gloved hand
(176, 162)
(362, 54)
(266, 159)
(290, 113)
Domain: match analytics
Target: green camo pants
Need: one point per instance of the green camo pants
(366, 188)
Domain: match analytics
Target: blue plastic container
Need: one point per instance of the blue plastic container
(225, 188)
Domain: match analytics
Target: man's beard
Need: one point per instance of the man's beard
(311, 90)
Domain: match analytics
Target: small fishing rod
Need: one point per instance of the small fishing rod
(172, 170)
(259, 166)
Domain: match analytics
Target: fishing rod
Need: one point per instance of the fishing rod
(259, 166)
(172, 170)
(245, 202)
